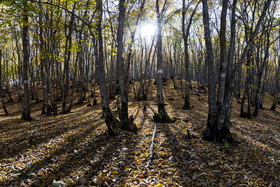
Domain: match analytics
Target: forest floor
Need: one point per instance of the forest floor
(74, 149)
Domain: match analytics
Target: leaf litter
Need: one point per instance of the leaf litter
(74, 149)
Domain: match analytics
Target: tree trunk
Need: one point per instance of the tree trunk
(1, 90)
(223, 55)
(276, 96)
(10, 99)
(120, 64)
(224, 114)
(223, 132)
(73, 83)
(42, 59)
(260, 77)
(68, 47)
(25, 43)
(111, 122)
(162, 116)
(210, 133)
(247, 91)
(186, 33)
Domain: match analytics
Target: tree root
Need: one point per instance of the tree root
(162, 118)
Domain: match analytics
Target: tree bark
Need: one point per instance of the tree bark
(111, 122)
(186, 32)
(42, 59)
(260, 77)
(162, 116)
(25, 42)
(223, 54)
(67, 54)
(224, 111)
(1, 90)
(210, 133)
(120, 64)
(276, 96)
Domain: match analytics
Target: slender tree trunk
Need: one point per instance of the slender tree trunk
(224, 114)
(68, 47)
(10, 99)
(162, 116)
(224, 111)
(120, 63)
(36, 77)
(42, 59)
(276, 96)
(247, 91)
(186, 32)
(260, 77)
(223, 54)
(81, 67)
(73, 83)
(25, 42)
(210, 133)
(1, 90)
(111, 122)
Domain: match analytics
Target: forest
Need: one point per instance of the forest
(139, 93)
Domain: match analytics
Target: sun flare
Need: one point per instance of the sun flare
(147, 30)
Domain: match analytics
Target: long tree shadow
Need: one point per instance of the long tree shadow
(63, 153)
(258, 134)
(35, 108)
(87, 155)
(40, 121)
(144, 118)
(193, 114)
(116, 149)
(191, 156)
(258, 159)
(40, 133)
(180, 157)
(8, 124)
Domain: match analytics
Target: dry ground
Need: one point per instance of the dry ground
(74, 149)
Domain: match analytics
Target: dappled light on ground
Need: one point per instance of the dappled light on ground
(74, 148)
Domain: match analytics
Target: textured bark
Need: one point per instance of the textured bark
(67, 54)
(186, 32)
(37, 78)
(73, 83)
(42, 59)
(224, 132)
(260, 77)
(18, 83)
(247, 91)
(1, 90)
(162, 116)
(120, 63)
(111, 122)
(25, 42)
(223, 54)
(10, 99)
(212, 110)
(82, 78)
(224, 112)
(276, 96)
